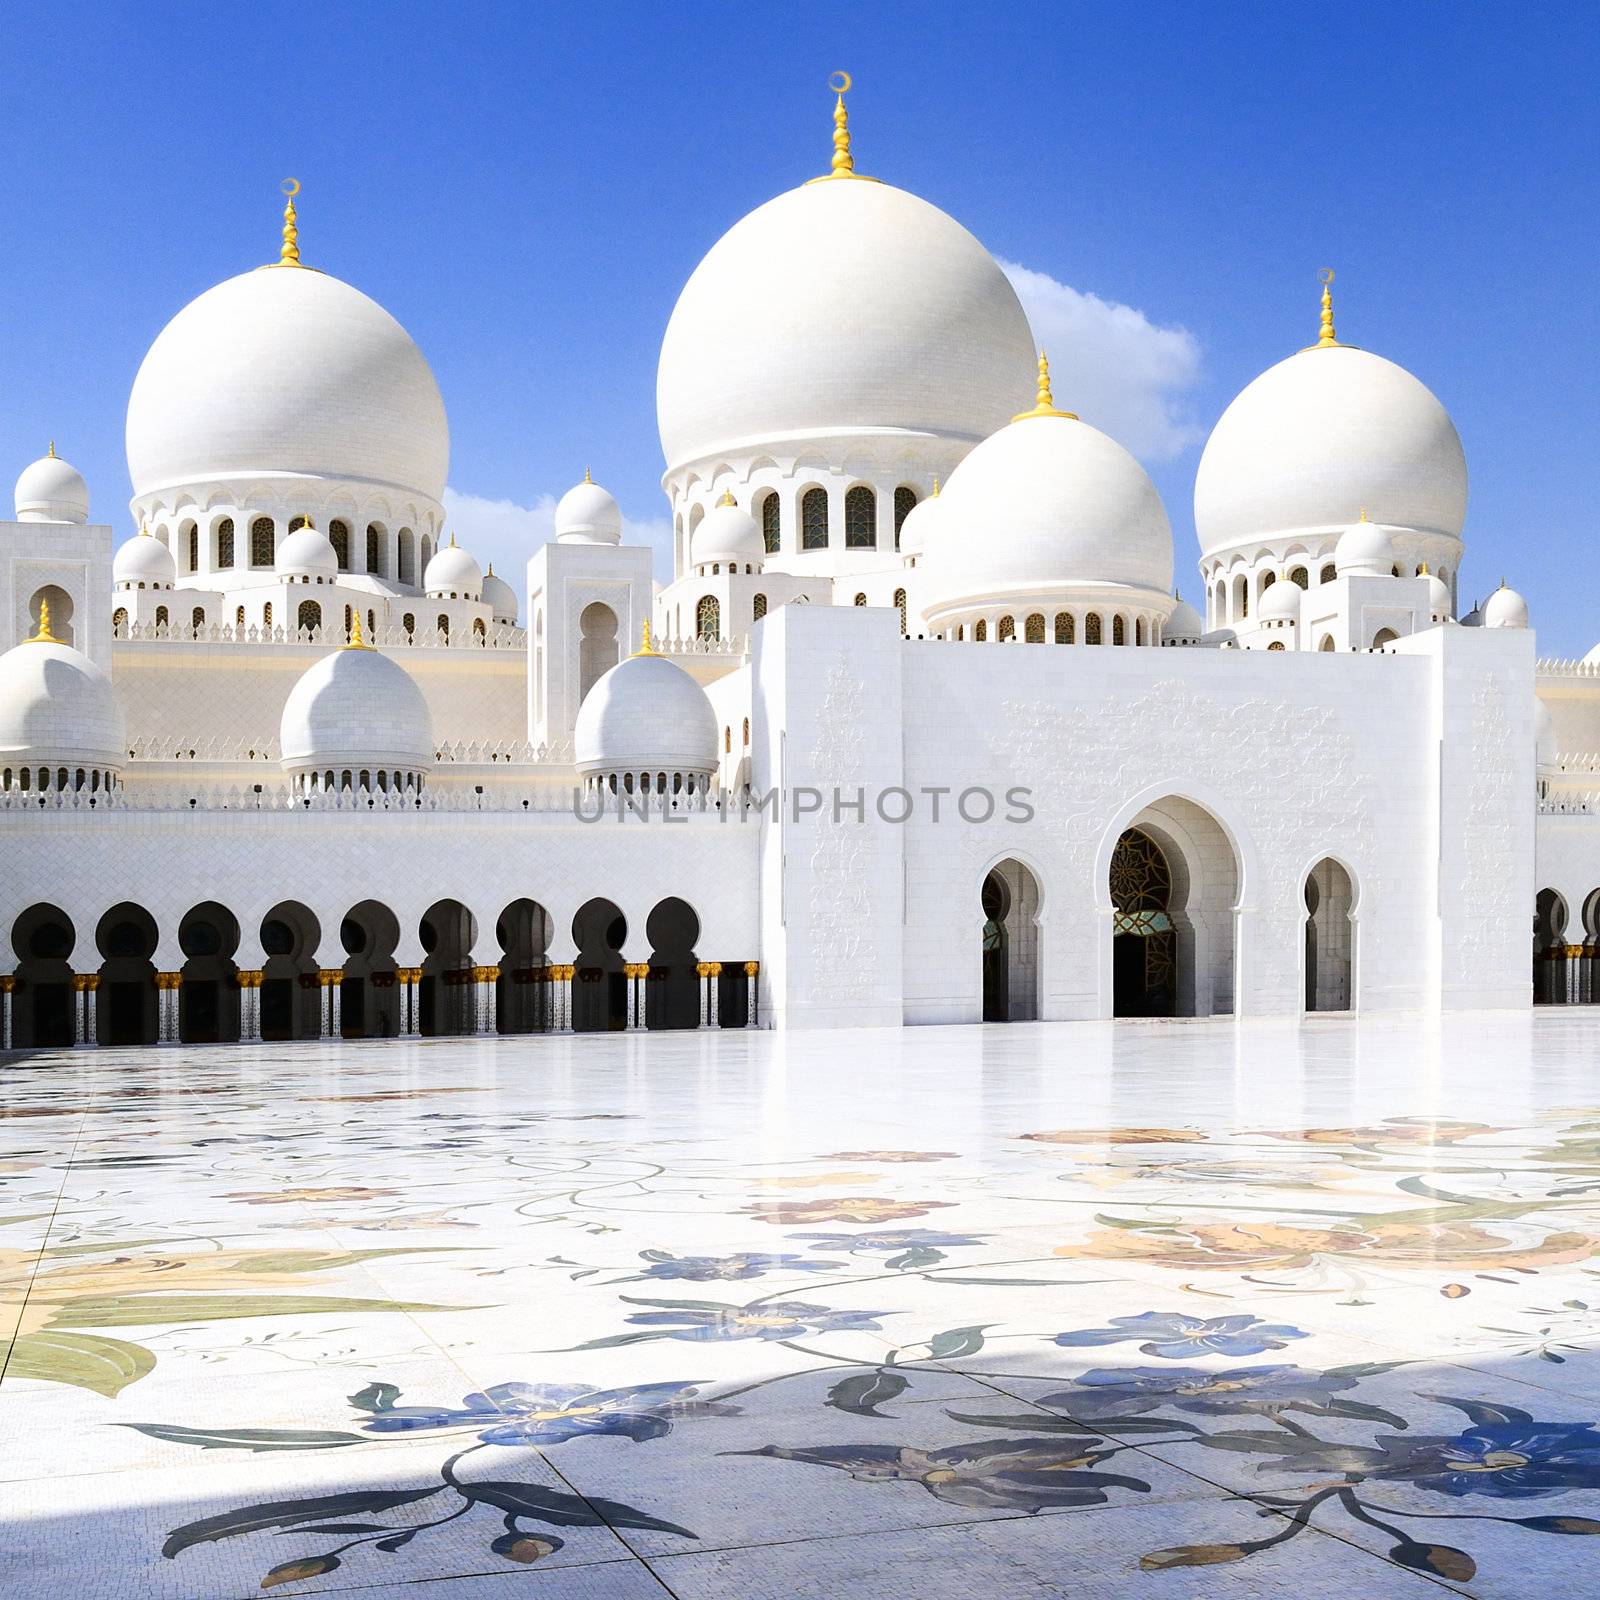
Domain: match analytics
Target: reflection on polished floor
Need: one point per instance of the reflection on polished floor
(1178, 1309)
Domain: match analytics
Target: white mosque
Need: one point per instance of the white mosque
(918, 732)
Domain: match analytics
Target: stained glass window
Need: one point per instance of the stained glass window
(814, 520)
(860, 519)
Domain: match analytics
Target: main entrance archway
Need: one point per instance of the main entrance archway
(1173, 883)
(1009, 900)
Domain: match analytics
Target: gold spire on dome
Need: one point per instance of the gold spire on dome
(843, 164)
(1044, 404)
(935, 486)
(586, 477)
(645, 647)
(43, 634)
(52, 455)
(727, 498)
(289, 255)
(1325, 338)
(356, 642)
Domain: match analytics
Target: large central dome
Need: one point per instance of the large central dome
(286, 372)
(840, 306)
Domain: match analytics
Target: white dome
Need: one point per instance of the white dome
(916, 532)
(1183, 626)
(838, 307)
(144, 559)
(356, 708)
(58, 708)
(645, 715)
(285, 371)
(1317, 437)
(587, 514)
(1544, 735)
(1505, 608)
(1438, 597)
(1045, 504)
(499, 596)
(453, 571)
(1281, 602)
(52, 490)
(307, 553)
(1364, 550)
(727, 533)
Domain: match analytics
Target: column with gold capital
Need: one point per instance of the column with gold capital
(85, 985)
(7, 984)
(752, 971)
(249, 1006)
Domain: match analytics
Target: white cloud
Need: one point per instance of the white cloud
(1113, 366)
(507, 533)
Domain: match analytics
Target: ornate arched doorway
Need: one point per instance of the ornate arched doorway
(1009, 900)
(1549, 948)
(1330, 938)
(1144, 942)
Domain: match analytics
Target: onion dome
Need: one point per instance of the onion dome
(916, 530)
(1364, 550)
(727, 533)
(453, 575)
(586, 514)
(353, 711)
(1329, 428)
(1183, 626)
(1281, 603)
(1048, 504)
(286, 372)
(1439, 602)
(1505, 608)
(921, 331)
(1474, 619)
(500, 598)
(307, 554)
(646, 716)
(143, 562)
(57, 709)
(52, 490)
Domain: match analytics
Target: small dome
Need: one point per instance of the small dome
(355, 708)
(1438, 597)
(453, 572)
(1544, 735)
(1364, 550)
(1183, 626)
(52, 490)
(144, 559)
(1320, 433)
(586, 514)
(58, 708)
(1047, 503)
(916, 531)
(500, 597)
(307, 553)
(646, 715)
(1505, 608)
(727, 533)
(1281, 602)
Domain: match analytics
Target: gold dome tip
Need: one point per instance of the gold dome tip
(586, 477)
(52, 454)
(289, 255)
(43, 635)
(356, 641)
(1044, 404)
(843, 164)
(727, 498)
(1325, 337)
(645, 647)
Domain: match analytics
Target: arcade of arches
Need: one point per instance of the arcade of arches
(102, 986)
(1566, 955)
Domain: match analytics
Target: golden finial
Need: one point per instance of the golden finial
(356, 640)
(289, 256)
(645, 647)
(1422, 571)
(936, 486)
(586, 477)
(843, 164)
(1363, 513)
(52, 455)
(44, 635)
(452, 538)
(1325, 338)
(727, 498)
(144, 530)
(1044, 404)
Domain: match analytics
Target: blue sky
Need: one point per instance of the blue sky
(527, 187)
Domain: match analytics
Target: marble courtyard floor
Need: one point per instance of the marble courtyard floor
(1173, 1310)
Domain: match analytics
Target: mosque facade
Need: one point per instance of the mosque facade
(918, 732)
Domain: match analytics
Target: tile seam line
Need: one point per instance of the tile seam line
(49, 1228)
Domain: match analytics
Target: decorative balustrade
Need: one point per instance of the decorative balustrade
(1570, 805)
(388, 636)
(1555, 667)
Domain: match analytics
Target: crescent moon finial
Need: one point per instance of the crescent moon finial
(289, 255)
(1325, 338)
(290, 187)
(839, 82)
